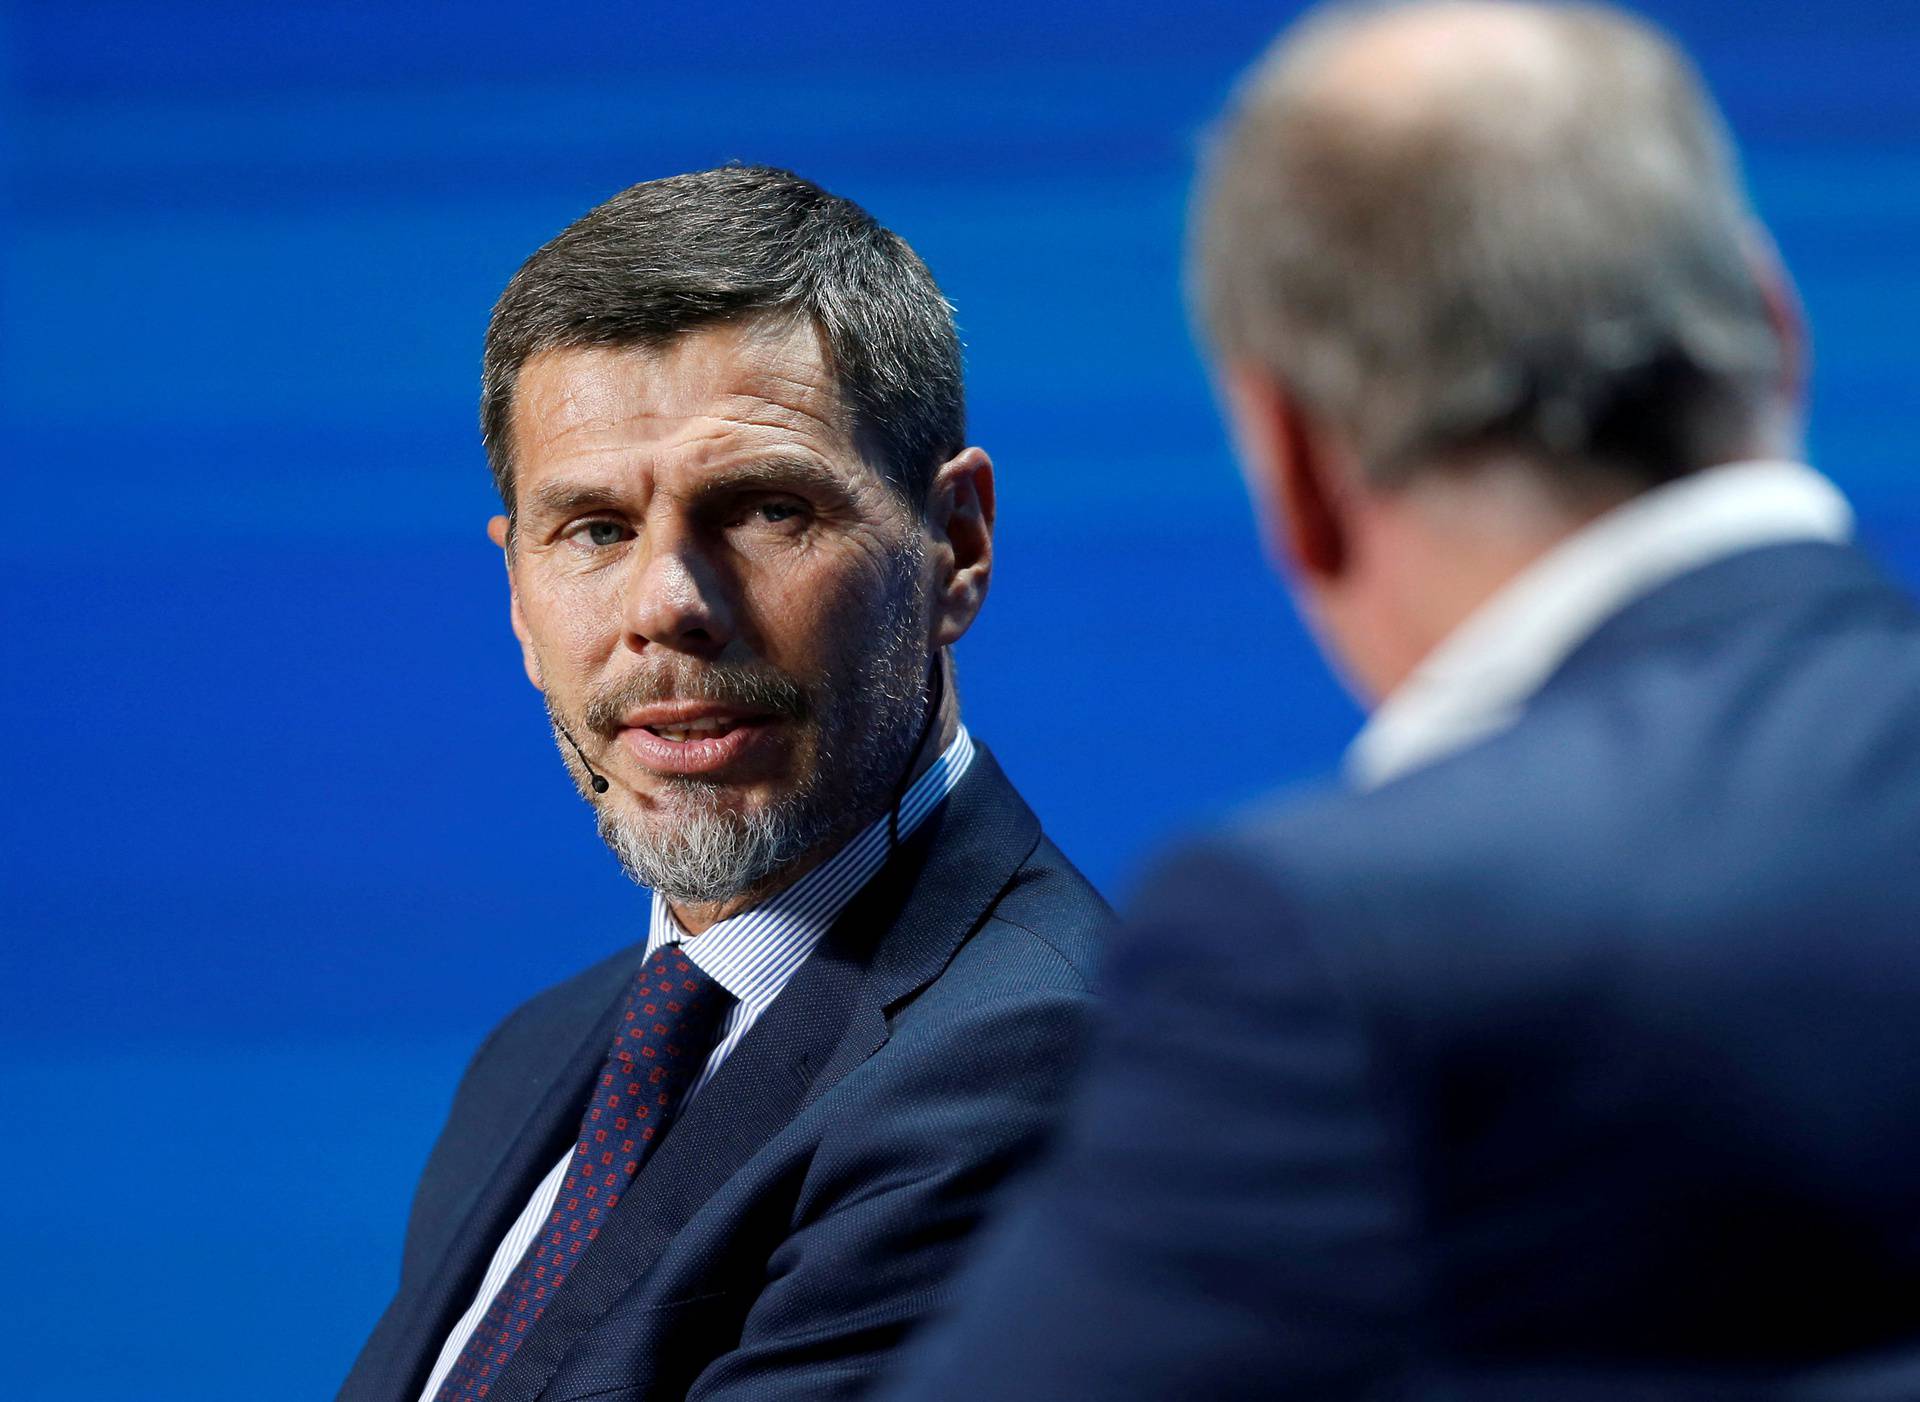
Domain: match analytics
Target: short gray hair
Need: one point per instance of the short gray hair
(1558, 268)
(671, 256)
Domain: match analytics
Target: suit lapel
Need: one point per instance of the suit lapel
(967, 856)
(892, 939)
(552, 1125)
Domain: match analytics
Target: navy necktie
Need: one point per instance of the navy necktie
(667, 1028)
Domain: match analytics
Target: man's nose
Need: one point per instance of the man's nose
(677, 598)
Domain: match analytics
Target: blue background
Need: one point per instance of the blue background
(284, 832)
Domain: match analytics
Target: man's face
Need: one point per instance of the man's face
(722, 603)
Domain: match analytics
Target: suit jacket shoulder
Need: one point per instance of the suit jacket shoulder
(1738, 747)
(1585, 1063)
(1644, 962)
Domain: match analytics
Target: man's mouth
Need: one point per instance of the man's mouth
(704, 728)
(693, 738)
(681, 721)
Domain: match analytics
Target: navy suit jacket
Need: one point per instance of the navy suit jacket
(1582, 1064)
(812, 1204)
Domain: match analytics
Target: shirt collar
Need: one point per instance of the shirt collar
(1477, 681)
(754, 953)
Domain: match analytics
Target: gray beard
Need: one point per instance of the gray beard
(706, 855)
(694, 851)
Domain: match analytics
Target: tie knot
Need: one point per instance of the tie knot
(674, 998)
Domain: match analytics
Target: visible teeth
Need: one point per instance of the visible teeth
(704, 726)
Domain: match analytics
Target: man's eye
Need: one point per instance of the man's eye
(600, 533)
(773, 512)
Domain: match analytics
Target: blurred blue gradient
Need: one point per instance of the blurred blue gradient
(284, 830)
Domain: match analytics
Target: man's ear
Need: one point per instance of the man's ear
(959, 522)
(1784, 312)
(500, 532)
(1295, 484)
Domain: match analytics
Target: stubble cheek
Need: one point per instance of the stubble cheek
(811, 603)
(576, 629)
(837, 613)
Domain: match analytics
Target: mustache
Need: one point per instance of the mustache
(728, 683)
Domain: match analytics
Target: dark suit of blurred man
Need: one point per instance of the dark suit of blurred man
(1572, 1049)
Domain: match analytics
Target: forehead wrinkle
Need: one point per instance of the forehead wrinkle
(790, 395)
(732, 467)
(721, 390)
(740, 408)
(699, 433)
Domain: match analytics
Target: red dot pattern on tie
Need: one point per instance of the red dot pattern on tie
(667, 1027)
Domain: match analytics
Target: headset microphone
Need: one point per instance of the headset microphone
(599, 782)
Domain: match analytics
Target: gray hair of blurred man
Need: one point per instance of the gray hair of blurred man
(1550, 258)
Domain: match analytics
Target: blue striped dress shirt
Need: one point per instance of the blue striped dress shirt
(751, 955)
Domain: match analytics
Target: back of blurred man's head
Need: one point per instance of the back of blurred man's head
(1472, 272)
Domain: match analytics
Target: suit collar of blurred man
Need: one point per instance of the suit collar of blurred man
(1479, 679)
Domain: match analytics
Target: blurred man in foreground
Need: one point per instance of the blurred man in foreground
(1572, 1051)
(741, 1156)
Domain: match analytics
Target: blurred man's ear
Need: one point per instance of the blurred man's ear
(1293, 480)
(1784, 312)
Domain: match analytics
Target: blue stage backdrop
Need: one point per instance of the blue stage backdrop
(284, 831)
